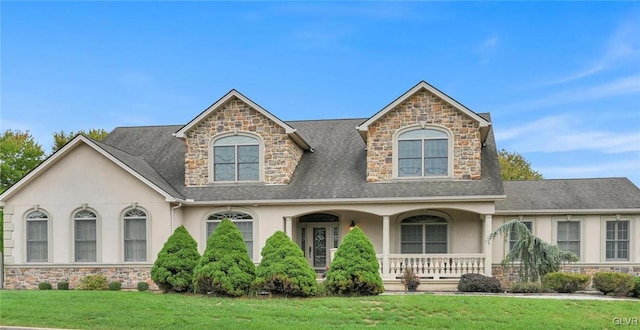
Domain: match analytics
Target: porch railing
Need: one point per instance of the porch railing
(434, 266)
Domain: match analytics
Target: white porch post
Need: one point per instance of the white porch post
(486, 246)
(288, 227)
(385, 246)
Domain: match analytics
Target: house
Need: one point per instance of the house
(420, 177)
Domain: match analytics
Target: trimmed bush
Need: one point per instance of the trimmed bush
(525, 287)
(354, 270)
(143, 286)
(613, 283)
(44, 286)
(636, 287)
(63, 285)
(92, 282)
(565, 282)
(479, 283)
(115, 286)
(225, 267)
(173, 269)
(284, 269)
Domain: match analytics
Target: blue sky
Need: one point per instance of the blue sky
(560, 79)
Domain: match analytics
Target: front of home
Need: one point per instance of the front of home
(420, 178)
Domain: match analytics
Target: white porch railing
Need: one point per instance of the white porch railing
(434, 266)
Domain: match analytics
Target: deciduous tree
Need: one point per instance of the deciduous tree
(19, 154)
(61, 138)
(514, 166)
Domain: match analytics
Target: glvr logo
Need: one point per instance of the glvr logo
(625, 320)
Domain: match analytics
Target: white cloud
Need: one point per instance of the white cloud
(562, 133)
(622, 46)
(621, 86)
(486, 49)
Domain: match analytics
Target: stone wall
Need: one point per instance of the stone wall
(424, 107)
(281, 154)
(507, 275)
(27, 278)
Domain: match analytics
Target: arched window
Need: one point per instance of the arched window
(135, 235)
(243, 221)
(423, 153)
(236, 158)
(424, 234)
(37, 237)
(84, 223)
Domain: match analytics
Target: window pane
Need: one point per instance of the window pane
(423, 134)
(247, 154)
(248, 172)
(436, 238)
(410, 149)
(37, 241)
(85, 240)
(224, 172)
(411, 239)
(135, 235)
(245, 227)
(435, 148)
(435, 166)
(409, 167)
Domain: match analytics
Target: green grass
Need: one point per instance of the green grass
(118, 309)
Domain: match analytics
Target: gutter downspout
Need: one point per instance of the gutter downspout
(173, 208)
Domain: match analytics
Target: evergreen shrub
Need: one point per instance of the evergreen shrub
(225, 268)
(173, 269)
(354, 270)
(92, 282)
(565, 282)
(479, 283)
(613, 283)
(284, 269)
(142, 286)
(44, 286)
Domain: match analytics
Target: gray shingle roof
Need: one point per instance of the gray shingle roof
(570, 194)
(335, 170)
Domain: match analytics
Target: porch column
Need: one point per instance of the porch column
(486, 244)
(288, 227)
(385, 246)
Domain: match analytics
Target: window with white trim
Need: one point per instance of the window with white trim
(135, 235)
(423, 153)
(236, 158)
(569, 236)
(513, 236)
(424, 234)
(617, 244)
(84, 224)
(37, 237)
(243, 221)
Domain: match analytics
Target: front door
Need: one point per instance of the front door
(316, 242)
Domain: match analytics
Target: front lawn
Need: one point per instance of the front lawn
(118, 309)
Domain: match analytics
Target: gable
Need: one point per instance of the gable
(424, 86)
(290, 131)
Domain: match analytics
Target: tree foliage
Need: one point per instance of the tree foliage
(19, 154)
(225, 267)
(514, 166)
(173, 269)
(61, 138)
(535, 257)
(284, 269)
(354, 269)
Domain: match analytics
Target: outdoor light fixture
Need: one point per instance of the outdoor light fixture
(353, 224)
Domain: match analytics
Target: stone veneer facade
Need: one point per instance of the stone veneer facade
(281, 154)
(424, 107)
(508, 275)
(27, 278)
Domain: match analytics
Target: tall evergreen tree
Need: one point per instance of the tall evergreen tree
(354, 270)
(535, 257)
(284, 269)
(225, 267)
(173, 269)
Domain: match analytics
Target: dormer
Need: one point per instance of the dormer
(237, 141)
(424, 134)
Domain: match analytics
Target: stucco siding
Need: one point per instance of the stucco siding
(85, 178)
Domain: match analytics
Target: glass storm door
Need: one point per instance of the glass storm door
(315, 241)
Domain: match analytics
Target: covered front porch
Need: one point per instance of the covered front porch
(439, 245)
